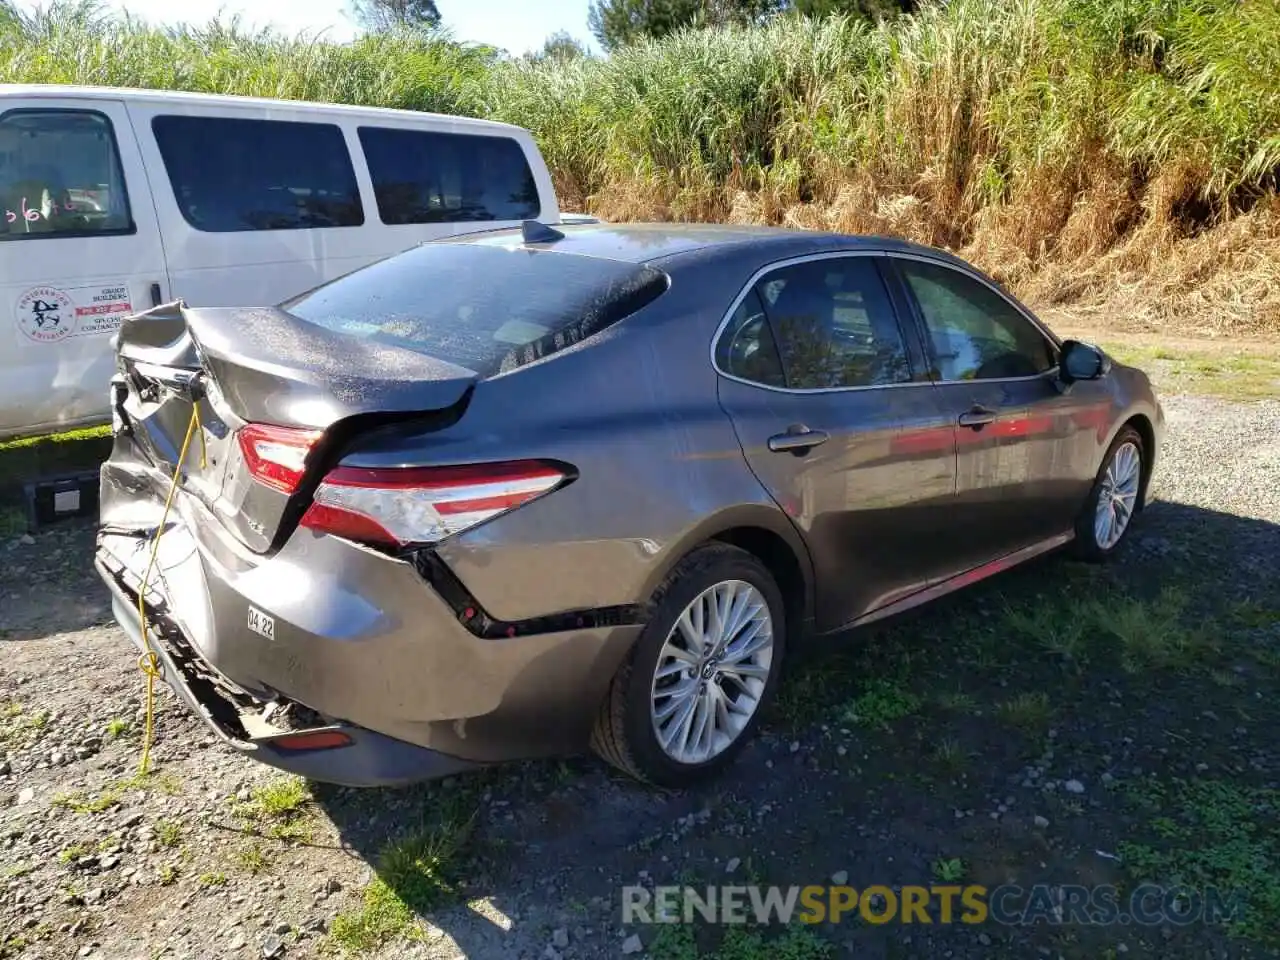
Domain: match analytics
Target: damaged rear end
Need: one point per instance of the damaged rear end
(274, 402)
(296, 602)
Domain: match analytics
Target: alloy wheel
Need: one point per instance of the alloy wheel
(712, 671)
(1118, 496)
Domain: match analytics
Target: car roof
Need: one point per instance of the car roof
(649, 242)
(37, 91)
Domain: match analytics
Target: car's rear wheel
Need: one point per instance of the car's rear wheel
(692, 691)
(1109, 510)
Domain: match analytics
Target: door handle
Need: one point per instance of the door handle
(977, 418)
(798, 440)
(155, 294)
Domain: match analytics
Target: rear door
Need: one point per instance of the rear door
(828, 395)
(1022, 443)
(79, 250)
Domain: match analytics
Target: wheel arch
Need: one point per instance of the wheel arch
(1142, 424)
(768, 536)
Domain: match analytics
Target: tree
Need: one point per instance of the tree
(615, 23)
(872, 9)
(561, 45)
(378, 15)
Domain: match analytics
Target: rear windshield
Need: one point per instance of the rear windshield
(489, 309)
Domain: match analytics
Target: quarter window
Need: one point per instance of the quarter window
(60, 176)
(424, 176)
(974, 332)
(746, 349)
(834, 324)
(233, 175)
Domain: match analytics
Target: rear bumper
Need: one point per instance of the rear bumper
(370, 760)
(361, 639)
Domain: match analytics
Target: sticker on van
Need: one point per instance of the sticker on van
(49, 314)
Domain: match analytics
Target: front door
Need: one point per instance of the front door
(841, 428)
(1021, 440)
(79, 250)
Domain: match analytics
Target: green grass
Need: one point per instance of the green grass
(67, 436)
(949, 754)
(1029, 711)
(1238, 373)
(26, 458)
(1212, 833)
(252, 860)
(117, 727)
(282, 798)
(280, 809)
(881, 702)
(415, 874)
(1055, 628)
(679, 942)
(78, 802)
(73, 852)
(1153, 633)
(957, 701)
(212, 879)
(949, 869)
(168, 833)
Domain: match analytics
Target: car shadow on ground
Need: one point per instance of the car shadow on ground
(1021, 731)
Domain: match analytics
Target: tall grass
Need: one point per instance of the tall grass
(1080, 149)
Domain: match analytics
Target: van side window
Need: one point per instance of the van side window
(232, 175)
(423, 176)
(60, 176)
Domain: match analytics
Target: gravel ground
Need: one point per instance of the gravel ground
(216, 857)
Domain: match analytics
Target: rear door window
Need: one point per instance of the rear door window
(835, 324)
(60, 176)
(487, 308)
(232, 174)
(426, 176)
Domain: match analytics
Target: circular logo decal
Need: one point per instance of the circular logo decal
(45, 314)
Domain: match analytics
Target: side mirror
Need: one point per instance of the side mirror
(1081, 361)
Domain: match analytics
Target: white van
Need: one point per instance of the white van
(113, 201)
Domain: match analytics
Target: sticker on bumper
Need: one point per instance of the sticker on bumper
(262, 624)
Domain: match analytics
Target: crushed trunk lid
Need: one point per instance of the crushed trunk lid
(251, 366)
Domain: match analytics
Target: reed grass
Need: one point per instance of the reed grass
(1087, 152)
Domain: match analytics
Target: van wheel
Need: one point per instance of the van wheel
(691, 693)
(1109, 509)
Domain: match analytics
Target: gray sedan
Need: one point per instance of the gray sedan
(518, 493)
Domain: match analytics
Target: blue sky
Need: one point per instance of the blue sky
(517, 25)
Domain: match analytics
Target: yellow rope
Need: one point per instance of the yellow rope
(148, 662)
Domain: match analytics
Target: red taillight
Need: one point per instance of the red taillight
(424, 504)
(276, 456)
(312, 740)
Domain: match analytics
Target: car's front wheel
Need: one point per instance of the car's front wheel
(1114, 500)
(691, 692)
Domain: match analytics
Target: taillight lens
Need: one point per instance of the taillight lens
(398, 506)
(276, 456)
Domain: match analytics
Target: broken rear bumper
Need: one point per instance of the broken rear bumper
(370, 759)
(363, 643)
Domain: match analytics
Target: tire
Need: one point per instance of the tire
(1090, 543)
(626, 731)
